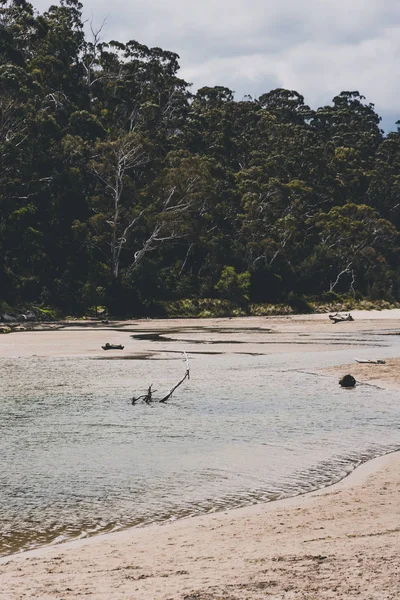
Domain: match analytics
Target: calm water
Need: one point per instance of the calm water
(77, 458)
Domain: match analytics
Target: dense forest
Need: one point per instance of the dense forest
(121, 187)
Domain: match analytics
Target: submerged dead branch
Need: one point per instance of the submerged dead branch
(148, 397)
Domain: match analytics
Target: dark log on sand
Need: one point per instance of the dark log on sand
(340, 318)
(108, 346)
(378, 361)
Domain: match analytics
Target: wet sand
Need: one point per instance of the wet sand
(258, 335)
(342, 542)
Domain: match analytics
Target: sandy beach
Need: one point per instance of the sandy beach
(341, 542)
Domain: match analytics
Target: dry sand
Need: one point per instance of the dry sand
(342, 542)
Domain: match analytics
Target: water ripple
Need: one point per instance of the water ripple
(78, 459)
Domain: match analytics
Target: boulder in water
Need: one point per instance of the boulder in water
(347, 381)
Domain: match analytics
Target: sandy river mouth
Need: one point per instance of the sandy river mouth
(341, 543)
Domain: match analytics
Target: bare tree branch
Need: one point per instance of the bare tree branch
(345, 271)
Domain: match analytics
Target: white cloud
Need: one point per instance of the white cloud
(318, 47)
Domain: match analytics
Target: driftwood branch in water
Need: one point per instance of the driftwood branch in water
(148, 398)
(186, 376)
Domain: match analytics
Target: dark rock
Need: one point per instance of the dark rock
(9, 318)
(30, 316)
(347, 381)
(40, 315)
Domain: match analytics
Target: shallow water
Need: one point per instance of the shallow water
(78, 458)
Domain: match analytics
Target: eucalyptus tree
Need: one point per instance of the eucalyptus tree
(350, 123)
(357, 243)
(384, 181)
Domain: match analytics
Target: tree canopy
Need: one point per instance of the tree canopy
(121, 186)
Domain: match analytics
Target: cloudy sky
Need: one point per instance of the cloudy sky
(316, 47)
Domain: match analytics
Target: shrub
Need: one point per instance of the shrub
(299, 304)
(332, 297)
(233, 286)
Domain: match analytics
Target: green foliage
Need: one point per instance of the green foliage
(233, 286)
(204, 308)
(119, 187)
(46, 313)
(331, 297)
(5, 307)
(299, 304)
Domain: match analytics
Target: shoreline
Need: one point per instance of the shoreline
(332, 532)
(262, 335)
(385, 376)
(212, 309)
(355, 477)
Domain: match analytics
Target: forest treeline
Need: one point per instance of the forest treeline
(121, 187)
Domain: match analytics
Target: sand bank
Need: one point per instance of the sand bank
(258, 335)
(383, 375)
(343, 542)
